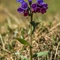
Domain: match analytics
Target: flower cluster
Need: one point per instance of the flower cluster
(39, 7)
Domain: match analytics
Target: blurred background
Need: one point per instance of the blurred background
(8, 8)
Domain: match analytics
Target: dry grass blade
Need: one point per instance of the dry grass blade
(56, 51)
(12, 16)
(54, 27)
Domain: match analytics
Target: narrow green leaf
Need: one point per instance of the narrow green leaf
(41, 54)
(23, 41)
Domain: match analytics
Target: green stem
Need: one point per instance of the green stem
(31, 38)
(31, 17)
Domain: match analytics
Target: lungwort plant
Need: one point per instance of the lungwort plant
(28, 9)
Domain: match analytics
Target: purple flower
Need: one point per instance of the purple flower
(25, 13)
(45, 6)
(40, 1)
(34, 7)
(23, 9)
(39, 7)
(43, 10)
(20, 10)
(24, 6)
(42, 7)
(21, 1)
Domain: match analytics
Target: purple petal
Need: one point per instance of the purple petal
(39, 1)
(21, 1)
(25, 13)
(34, 7)
(24, 5)
(20, 10)
(43, 11)
(38, 9)
(45, 6)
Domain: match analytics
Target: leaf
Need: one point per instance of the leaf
(22, 37)
(58, 57)
(23, 41)
(34, 24)
(22, 30)
(41, 54)
(23, 57)
(29, 31)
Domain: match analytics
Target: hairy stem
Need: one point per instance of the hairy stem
(31, 39)
(31, 17)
